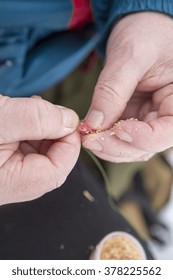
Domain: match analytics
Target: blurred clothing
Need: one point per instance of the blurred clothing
(43, 41)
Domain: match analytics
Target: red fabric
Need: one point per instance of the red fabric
(81, 15)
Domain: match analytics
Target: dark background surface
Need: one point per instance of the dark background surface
(62, 224)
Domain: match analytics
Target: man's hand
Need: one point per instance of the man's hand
(38, 147)
(136, 82)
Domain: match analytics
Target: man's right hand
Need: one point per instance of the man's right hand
(38, 147)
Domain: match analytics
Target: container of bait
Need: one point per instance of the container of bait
(118, 245)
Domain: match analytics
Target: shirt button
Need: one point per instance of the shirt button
(8, 62)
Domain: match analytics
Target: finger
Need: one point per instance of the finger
(114, 88)
(122, 72)
(155, 133)
(36, 96)
(162, 94)
(46, 172)
(146, 157)
(109, 147)
(64, 153)
(34, 119)
(152, 136)
(55, 166)
(6, 151)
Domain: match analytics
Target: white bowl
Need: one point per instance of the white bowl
(96, 254)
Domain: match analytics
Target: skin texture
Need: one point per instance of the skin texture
(136, 82)
(38, 147)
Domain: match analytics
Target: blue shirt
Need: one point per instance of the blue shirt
(41, 41)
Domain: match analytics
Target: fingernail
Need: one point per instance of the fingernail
(123, 135)
(92, 145)
(70, 118)
(95, 118)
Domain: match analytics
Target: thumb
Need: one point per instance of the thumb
(113, 90)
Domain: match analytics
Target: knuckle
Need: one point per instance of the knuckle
(29, 116)
(41, 118)
(108, 93)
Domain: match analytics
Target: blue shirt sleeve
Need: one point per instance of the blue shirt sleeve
(27, 67)
(117, 9)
